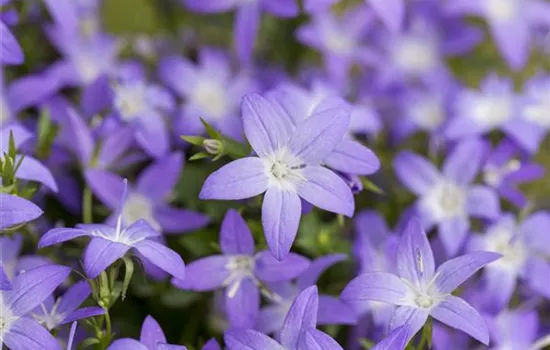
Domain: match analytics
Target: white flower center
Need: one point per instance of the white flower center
(428, 113)
(130, 100)
(284, 170)
(492, 111)
(511, 247)
(445, 200)
(50, 319)
(493, 175)
(239, 267)
(210, 96)
(415, 55)
(138, 207)
(423, 296)
(424, 301)
(538, 112)
(87, 67)
(6, 318)
(339, 42)
(502, 10)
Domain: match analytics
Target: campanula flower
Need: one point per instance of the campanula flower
(11, 50)
(298, 333)
(286, 167)
(147, 200)
(12, 261)
(16, 210)
(17, 330)
(419, 291)
(109, 244)
(524, 256)
(241, 271)
(447, 199)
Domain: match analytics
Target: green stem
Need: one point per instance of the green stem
(426, 336)
(87, 205)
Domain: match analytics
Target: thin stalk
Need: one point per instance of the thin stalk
(87, 205)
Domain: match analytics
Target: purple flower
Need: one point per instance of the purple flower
(11, 51)
(512, 24)
(504, 169)
(52, 314)
(108, 244)
(148, 199)
(142, 106)
(210, 90)
(31, 169)
(240, 271)
(18, 331)
(349, 156)
(391, 12)
(339, 40)
(12, 262)
(515, 329)
(396, 339)
(331, 309)
(535, 109)
(151, 338)
(16, 210)
(298, 333)
(419, 291)
(287, 168)
(247, 18)
(524, 248)
(447, 199)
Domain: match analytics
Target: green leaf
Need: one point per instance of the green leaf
(235, 149)
(128, 272)
(210, 130)
(365, 343)
(369, 185)
(200, 155)
(194, 140)
(46, 134)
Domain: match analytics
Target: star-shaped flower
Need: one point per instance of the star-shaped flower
(419, 291)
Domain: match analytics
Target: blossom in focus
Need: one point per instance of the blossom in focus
(298, 333)
(287, 168)
(109, 244)
(419, 291)
(18, 331)
(241, 271)
(16, 210)
(447, 199)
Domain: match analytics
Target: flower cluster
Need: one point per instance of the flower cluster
(274, 174)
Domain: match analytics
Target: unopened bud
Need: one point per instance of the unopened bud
(212, 146)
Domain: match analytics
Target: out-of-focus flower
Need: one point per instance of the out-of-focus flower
(151, 338)
(419, 291)
(511, 22)
(210, 91)
(11, 51)
(12, 262)
(339, 40)
(298, 333)
(514, 329)
(524, 252)
(247, 18)
(391, 12)
(147, 200)
(505, 168)
(19, 331)
(54, 313)
(108, 244)
(287, 168)
(331, 309)
(535, 109)
(240, 271)
(447, 198)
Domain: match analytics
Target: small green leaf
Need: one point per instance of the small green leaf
(369, 185)
(200, 155)
(128, 272)
(194, 140)
(365, 343)
(210, 130)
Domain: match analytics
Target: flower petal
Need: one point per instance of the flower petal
(316, 340)
(84, 312)
(456, 313)
(235, 236)
(127, 343)
(100, 254)
(326, 190)
(535, 228)
(176, 220)
(319, 135)
(452, 233)
(410, 317)
(242, 304)
(32, 170)
(301, 316)
(391, 12)
(417, 173)
(108, 187)
(73, 297)
(397, 339)
(162, 257)
(204, 274)
(353, 158)
(318, 266)
(415, 259)
(16, 210)
(453, 272)
(512, 39)
(376, 286)
(11, 51)
(248, 339)
(281, 211)
(27, 334)
(464, 161)
(267, 128)
(152, 134)
(151, 333)
(247, 21)
(334, 311)
(483, 202)
(240, 179)
(59, 235)
(33, 286)
(270, 269)
(159, 179)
